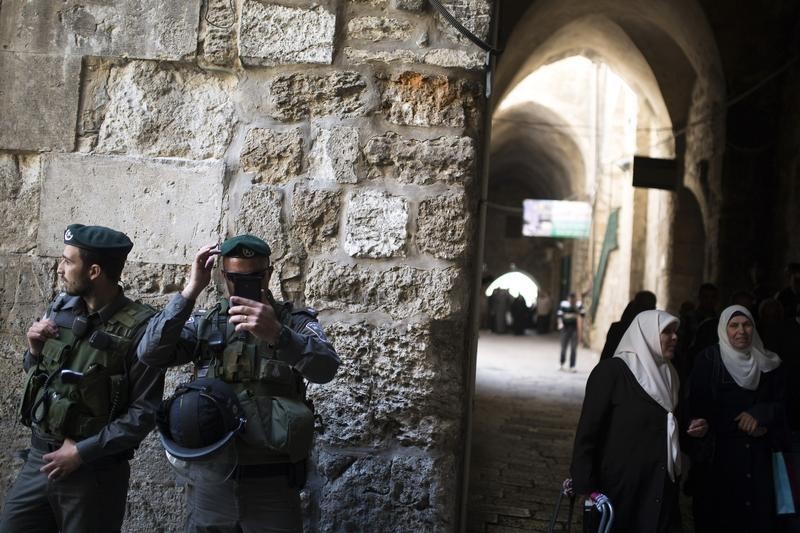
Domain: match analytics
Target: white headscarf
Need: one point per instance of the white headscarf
(744, 366)
(640, 348)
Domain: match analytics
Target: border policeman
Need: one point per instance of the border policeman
(265, 350)
(88, 399)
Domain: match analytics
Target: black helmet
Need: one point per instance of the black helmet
(201, 418)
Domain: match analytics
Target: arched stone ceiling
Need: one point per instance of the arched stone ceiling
(643, 41)
(541, 162)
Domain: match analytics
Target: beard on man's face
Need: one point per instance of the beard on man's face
(78, 287)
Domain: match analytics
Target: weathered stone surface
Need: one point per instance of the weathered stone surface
(358, 56)
(401, 291)
(405, 492)
(155, 284)
(444, 226)
(448, 159)
(19, 202)
(334, 155)
(260, 214)
(315, 216)
(475, 15)
(445, 57)
(376, 225)
(397, 383)
(218, 34)
(27, 285)
(409, 5)
(277, 156)
(415, 99)
(441, 57)
(345, 404)
(47, 84)
(298, 95)
(147, 30)
(272, 34)
(379, 29)
(158, 110)
(169, 208)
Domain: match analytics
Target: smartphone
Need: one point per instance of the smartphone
(248, 287)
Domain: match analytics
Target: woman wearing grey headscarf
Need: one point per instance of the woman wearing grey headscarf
(736, 393)
(626, 444)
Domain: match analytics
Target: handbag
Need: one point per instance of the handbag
(784, 499)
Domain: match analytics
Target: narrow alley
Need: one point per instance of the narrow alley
(526, 411)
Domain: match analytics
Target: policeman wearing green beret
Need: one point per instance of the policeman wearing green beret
(266, 350)
(88, 399)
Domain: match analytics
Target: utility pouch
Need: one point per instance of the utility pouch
(284, 426)
(53, 352)
(94, 389)
(33, 385)
(61, 413)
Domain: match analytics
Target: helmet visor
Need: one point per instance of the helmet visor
(212, 469)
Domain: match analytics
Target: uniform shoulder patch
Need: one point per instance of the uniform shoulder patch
(314, 327)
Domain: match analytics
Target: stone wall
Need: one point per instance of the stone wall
(344, 132)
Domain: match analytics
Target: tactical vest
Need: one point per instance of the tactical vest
(81, 381)
(280, 422)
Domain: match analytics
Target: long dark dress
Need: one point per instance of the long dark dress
(621, 451)
(735, 492)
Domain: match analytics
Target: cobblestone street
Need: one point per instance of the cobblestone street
(526, 411)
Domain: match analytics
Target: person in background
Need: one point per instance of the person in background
(570, 323)
(789, 296)
(626, 444)
(642, 301)
(736, 420)
(544, 308)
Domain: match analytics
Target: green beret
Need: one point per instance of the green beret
(98, 239)
(246, 246)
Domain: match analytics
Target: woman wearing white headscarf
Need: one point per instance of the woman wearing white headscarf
(626, 445)
(736, 393)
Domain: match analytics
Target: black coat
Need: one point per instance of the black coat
(621, 451)
(735, 491)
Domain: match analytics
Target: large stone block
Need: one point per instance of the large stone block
(376, 225)
(344, 404)
(398, 493)
(315, 215)
(299, 95)
(38, 101)
(379, 29)
(447, 159)
(19, 202)
(441, 57)
(27, 285)
(401, 291)
(260, 214)
(334, 155)
(272, 34)
(146, 29)
(397, 384)
(159, 110)
(415, 99)
(277, 156)
(444, 226)
(218, 44)
(475, 15)
(169, 208)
